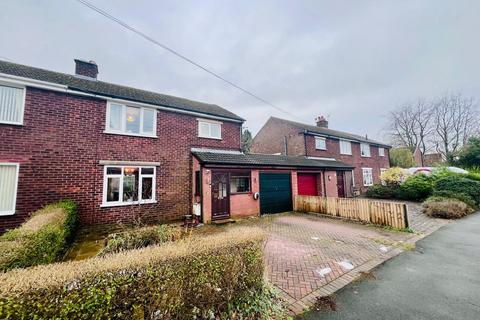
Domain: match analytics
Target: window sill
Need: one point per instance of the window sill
(131, 134)
(321, 149)
(366, 156)
(12, 123)
(212, 138)
(7, 213)
(346, 154)
(109, 205)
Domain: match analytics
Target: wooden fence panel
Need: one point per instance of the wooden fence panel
(383, 213)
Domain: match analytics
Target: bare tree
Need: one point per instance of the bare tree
(455, 120)
(411, 125)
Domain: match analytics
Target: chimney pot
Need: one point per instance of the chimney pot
(321, 122)
(86, 68)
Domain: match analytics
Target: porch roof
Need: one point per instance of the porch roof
(267, 160)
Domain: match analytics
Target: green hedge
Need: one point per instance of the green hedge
(380, 191)
(415, 188)
(42, 239)
(211, 277)
(456, 195)
(460, 184)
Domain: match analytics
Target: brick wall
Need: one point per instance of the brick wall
(62, 141)
(270, 140)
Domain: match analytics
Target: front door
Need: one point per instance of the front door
(340, 184)
(220, 196)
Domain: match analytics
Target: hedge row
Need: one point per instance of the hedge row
(207, 277)
(41, 239)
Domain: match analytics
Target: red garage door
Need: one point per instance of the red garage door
(307, 184)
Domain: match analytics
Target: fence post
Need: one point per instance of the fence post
(405, 215)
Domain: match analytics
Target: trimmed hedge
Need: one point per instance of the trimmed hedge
(212, 277)
(460, 185)
(446, 208)
(455, 195)
(380, 191)
(42, 239)
(140, 237)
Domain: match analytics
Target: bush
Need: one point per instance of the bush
(415, 188)
(212, 277)
(380, 191)
(460, 184)
(446, 208)
(137, 238)
(394, 176)
(455, 195)
(42, 239)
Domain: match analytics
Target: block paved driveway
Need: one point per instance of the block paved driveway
(309, 256)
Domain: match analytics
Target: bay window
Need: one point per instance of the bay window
(131, 120)
(8, 187)
(125, 185)
(12, 101)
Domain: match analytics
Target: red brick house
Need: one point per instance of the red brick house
(124, 154)
(368, 157)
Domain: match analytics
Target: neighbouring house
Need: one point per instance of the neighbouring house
(427, 159)
(368, 158)
(125, 154)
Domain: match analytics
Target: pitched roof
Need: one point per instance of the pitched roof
(240, 159)
(114, 90)
(331, 133)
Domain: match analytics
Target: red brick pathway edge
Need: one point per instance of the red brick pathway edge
(302, 305)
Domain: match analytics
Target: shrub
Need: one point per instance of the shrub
(42, 239)
(455, 195)
(416, 187)
(446, 208)
(212, 277)
(137, 238)
(380, 191)
(460, 184)
(394, 176)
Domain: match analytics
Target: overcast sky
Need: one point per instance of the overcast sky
(352, 61)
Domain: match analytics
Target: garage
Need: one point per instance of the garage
(307, 184)
(275, 193)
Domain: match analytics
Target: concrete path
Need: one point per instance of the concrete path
(440, 279)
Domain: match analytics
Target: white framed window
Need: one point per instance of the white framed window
(364, 149)
(345, 147)
(367, 177)
(8, 187)
(381, 152)
(382, 170)
(320, 143)
(12, 104)
(125, 185)
(209, 129)
(131, 120)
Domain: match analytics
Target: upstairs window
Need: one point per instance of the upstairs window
(381, 152)
(12, 103)
(209, 129)
(125, 185)
(365, 149)
(123, 119)
(367, 177)
(345, 147)
(239, 182)
(8, 187)
(320, 143)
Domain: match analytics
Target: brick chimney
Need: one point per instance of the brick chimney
(86, 68)
(321, 122)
